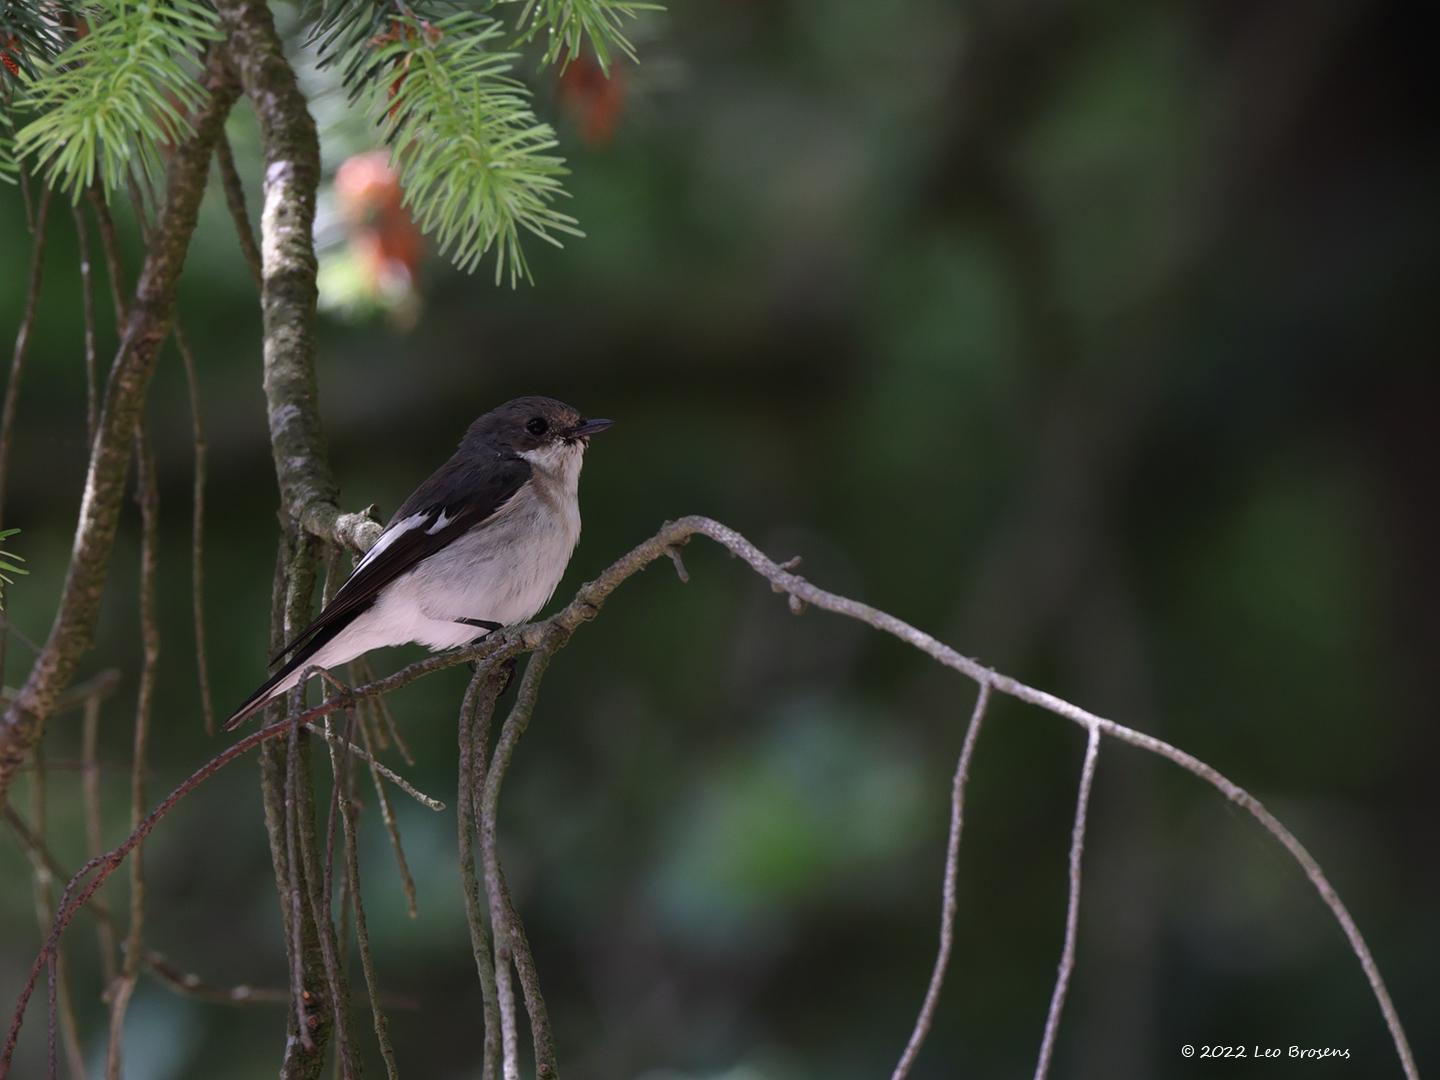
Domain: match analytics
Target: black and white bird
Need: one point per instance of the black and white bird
(480, 545)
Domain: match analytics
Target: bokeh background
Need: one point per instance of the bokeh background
(1095, 338)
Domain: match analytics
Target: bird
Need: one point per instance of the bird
(480, 545)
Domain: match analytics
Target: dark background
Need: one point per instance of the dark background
(1094, 338)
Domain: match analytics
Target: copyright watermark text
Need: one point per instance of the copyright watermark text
(1263, 1052)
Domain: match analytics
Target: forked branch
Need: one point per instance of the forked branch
(548, 635)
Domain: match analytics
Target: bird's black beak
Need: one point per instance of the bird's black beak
(588, 427)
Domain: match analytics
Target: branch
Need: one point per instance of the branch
(73, 630)
(1072, 908)
(550, 634)
(948, 902)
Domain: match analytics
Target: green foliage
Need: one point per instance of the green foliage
(26, 36)
(111, 100)
(7, 567)
(568, 25)
(474, 162)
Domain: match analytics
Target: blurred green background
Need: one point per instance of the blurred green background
(1095, 338)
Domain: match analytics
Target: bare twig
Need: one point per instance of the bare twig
(948, 902)
(235, 200)
(43, 881)
(392, 827)
(110, 247)
(197, 526)
(88, 879)
(362, 932)
(90, 794)
(476, 713)
(511, 945)
(549, 634)
(389, 774)
(87, 307)
(299, 760)
(1072, 908)
(22, 344)
(165, 973)
(147, 495)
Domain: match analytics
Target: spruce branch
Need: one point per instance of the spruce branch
(569, 25)
(112, 101)
(476, 165)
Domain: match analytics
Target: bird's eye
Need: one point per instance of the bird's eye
(537, 426)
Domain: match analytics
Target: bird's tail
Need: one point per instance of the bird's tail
(282, 679)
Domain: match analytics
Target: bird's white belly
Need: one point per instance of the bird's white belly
(504, 572)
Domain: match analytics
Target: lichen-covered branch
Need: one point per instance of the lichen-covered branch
(148, 323)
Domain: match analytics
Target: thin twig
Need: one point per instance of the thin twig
(338, 763)
(235, 200)
(90, 795)
(184, 983)
(43, 879)
(87, 307)
(293, 891)
(110, 248)
(147, 495)
(197, 526)
(79, 890)
(477, 711)
(320, 908)
(1072, 908)
(948, 901)
(511, 945)
(587, 604)
(22, 342)
(392, 827)
(389, 774)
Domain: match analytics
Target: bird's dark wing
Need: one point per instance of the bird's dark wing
(460, 496)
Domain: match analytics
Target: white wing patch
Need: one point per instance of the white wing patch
(389, 536)
(440, 523)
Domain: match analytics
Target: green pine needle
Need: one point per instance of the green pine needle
(111, 100)
(474, 162)
(7, 567)
(568, 25)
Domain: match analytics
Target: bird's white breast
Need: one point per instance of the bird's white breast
(504, 571)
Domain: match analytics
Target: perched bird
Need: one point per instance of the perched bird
(480, 545)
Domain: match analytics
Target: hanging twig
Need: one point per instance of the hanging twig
(87, 307)
(293, 893)
(110, 248)
(948, 902)
(387, 815)
(477, 710)
(197, 527)
(184, 983)
(511, 945)
(551, 633)
(148, 497)
(299, 761)
(22, 343)
(1072, 908)
(339, 768)
(235, 200)
(43, 882)
(90, 795)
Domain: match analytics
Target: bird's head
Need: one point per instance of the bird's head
(539, 429)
